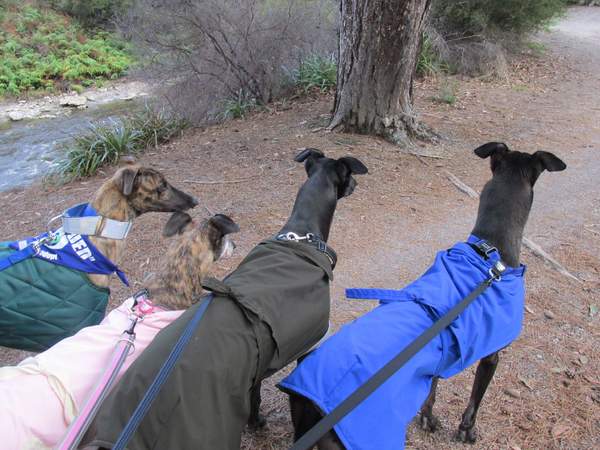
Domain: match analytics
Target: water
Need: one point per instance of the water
(30, 148)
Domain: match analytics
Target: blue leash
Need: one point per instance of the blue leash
(162, 375)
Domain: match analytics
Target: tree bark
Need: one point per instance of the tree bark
(378, 50)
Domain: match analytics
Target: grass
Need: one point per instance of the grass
(41, 50)
(429, 62)
(238, 107)
(447, 93)
(316, 72)
(105, 143)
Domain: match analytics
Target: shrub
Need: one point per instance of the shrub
(472, 17)
(430, 61)
(91, 13)
(41, 50)
(237, 107)
(218, 48)
(316, 72)
(105, 143)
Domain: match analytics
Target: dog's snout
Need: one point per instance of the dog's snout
(194, 201)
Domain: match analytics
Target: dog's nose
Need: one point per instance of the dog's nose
(195, 201)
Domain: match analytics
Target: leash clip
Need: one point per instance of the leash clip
(291, 236)
(497, 270)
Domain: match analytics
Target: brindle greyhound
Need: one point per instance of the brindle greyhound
(503, 211)
(179, 282)
(132, 191)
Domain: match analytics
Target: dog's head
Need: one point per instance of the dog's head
(212, 234)
(521, 166)
(339, 171)
(147, 190)
(190, 257)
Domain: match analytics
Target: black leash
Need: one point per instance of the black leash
(312, 436)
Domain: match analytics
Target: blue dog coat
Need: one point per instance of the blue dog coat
(349, 358)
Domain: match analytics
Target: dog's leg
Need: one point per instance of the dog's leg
(256, 421)
(483, 376)
(427, 420)
(305, 415)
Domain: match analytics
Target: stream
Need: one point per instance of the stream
(29, 149)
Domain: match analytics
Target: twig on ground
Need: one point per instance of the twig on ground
(238, 180)
(461, 186)
(535, 248)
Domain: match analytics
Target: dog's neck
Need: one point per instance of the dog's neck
(179, 283)
(314, 207)
(110, 202)
(504, 207)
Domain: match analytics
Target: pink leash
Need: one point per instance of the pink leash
(77, 429)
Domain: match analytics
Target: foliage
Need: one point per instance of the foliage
(429, 61)
(218, 48)
(43, 50)
(91, 13)
(237, 107)
(105, 143)
(473, 17)
(316, 72)
(447, 93)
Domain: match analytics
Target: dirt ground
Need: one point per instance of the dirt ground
(403, 212)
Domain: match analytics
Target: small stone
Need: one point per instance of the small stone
(73, 100)
(16, 116)
(583, 359)
(511, 392)
(549, 314)
(557, 370)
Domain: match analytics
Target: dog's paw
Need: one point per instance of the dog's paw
(467, 436)
(256, 423)
(429, 422)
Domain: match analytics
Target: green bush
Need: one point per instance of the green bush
(42, 50)
(237, 108)
(104, 144)
(316, 72)
(484, 16)
(429, 61)
(91, 13)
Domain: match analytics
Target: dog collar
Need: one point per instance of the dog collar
(311, 239)
(84, 220)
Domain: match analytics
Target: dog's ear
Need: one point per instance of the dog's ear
(224, 224)
(177, 223)
(549, 161)
(354, 165)
(491, 149)
(308, 152)
(125, 178)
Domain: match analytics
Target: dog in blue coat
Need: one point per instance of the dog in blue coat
(349, 358)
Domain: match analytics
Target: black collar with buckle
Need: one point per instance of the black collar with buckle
(313, 240)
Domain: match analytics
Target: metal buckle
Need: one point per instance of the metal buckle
(497, 271)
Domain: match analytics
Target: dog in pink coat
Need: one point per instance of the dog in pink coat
(42, 395)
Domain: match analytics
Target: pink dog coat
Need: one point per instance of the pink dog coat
(42, 395)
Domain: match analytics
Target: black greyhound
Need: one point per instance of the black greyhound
(503, 211)
(328, 181)
(265, 314)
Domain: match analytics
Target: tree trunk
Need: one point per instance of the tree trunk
(378, 50)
